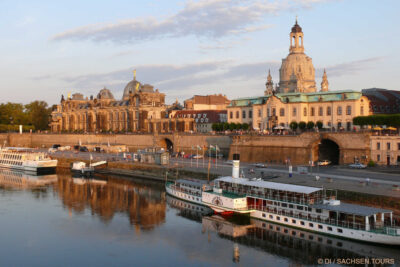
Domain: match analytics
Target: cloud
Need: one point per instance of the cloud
(348, 68)
(205, 18)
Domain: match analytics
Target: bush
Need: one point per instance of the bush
(225, 126)
(310, 125)
(293, 125)
(245, 126)
(232, 126)
(319, 124)
(380, 119)
(302, 125)
(239, 126)
(371, 163)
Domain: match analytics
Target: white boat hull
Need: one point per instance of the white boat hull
(333, 230)
(184, 196)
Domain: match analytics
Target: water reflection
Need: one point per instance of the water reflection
(144, 204)
(16, 180)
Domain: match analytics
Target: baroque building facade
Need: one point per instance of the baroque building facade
(296, 97)
(141, 109)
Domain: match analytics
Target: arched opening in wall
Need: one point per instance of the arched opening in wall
(167, 145)
(328, 150)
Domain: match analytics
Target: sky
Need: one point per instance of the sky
(183, 48)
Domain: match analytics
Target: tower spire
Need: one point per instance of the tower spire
(324, 83)
(269, 84)
(134, 75)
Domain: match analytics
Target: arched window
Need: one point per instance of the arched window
(328, 111)
(312, 112)
(348, 110)
(282, 112)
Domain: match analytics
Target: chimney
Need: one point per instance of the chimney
(235, 166)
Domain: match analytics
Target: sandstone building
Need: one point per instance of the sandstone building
(296, 97)
(141, 109)
(207, 102)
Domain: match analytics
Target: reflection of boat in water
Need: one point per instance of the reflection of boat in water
(187, 189)
(188, 209)
(299, 245)
(23, 180)
(93, 180)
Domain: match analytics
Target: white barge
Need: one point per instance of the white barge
(26, 159)
(309, 208)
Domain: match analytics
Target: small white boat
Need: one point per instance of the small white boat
(187, 189)
(80, 168)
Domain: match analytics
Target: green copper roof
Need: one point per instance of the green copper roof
(300, 98)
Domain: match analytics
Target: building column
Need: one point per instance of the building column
(366, 223)
(391, 218)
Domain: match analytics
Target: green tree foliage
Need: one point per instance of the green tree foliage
(225, 126)
(319, 124)
(245, 126)
(293, 125)
(302, 125)
(310, 125)
(39, 114)
(381, 119)
(33, 116)
(232, 126)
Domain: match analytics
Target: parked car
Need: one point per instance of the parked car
(357, 166)
(56, 146)
(52, 150)
(83, 149)
(259, 165)
(197, 156)
(324, 162)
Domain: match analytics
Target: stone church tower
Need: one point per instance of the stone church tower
(269, 85)
(297, 73)
(324, 83)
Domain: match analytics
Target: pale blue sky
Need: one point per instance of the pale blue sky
(184, 48)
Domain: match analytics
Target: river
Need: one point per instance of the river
(57, 220)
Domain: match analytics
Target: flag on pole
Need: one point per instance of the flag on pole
(216, 148)
(199, 147)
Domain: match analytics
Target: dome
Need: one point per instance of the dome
(105, 94)
(77, 96)
(296, 28)
(297, 67)
(131, 87)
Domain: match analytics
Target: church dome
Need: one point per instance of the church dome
(105, 94)
(132, 86)
(296, 28)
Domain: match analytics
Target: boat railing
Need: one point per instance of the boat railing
(388, 230)
(174, 187)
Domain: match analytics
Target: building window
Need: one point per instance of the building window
(268, 112)
(305, 112)
(312, 112)
(250, 114)
(378, 158)
(361, 110)
(273, 111)
(398, 146)
(231, 115)
(320, 111)
(348, 110)
(339, 110)
(294, 112)
(244, 114)
(328, 111)
(388, 146)
(378, 146)
(282, 112)
(237, 114)
(259, 112)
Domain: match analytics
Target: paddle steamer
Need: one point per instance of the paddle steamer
(309, 208)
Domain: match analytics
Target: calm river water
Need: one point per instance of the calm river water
(57, 220)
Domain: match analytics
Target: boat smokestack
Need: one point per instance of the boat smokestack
(235, 166)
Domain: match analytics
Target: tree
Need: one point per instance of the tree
(239, 126)
(225, 126)
(310, 125)
(302, 125)
(293, 125)
(13, 113)
(215, 127)
(245, 126)
(319, 124)
(232, 126)
(38, 114)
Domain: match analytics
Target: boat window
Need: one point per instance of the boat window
(286, 231)
(320, 239)
(284, 205)
(293, 233)
(293, 221)
(318, 210)
(309, 209)
(302, 223)
(263, 214)
(286, 219)
(271, 217)
(320, 226)
(311, 237)
(278, 218)
(339, 244)
(340, 230)
(329, 241)
(278, 228)
(301, 235)
(291, 206)
(329, 228)
(300, 207)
